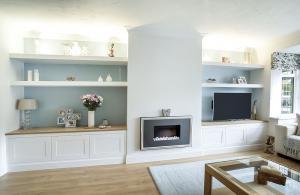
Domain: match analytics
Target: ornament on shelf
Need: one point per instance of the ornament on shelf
(36, 75)
(225, 59)
(111, 50)
(211, 80)
(247, 58)
(166, 112)
(100, 79)
(29, 75)
(71, 78)
(75, 49)
(108, 78)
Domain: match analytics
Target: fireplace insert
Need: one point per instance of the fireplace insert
(165, 132)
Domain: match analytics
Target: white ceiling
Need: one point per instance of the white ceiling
(256, 19)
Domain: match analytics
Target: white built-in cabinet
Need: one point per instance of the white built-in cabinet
(28, 149)
(232, 135)
(70, 147)
(41, 151)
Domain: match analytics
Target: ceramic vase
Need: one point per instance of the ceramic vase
(91, 119)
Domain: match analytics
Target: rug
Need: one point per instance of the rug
(185, 178)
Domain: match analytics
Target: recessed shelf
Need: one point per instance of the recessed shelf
(231, 85)
(235, 65)
(64, 59)
(68, 84)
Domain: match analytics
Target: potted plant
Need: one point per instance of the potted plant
(92, 102)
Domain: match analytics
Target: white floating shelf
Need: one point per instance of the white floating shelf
(235, 65)
(230, 85)
(64, 59)
(68, 84)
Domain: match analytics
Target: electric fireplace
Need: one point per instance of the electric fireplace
(165, 132)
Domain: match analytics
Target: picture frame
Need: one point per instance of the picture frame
(70, 123)
(242, 80)
(60, 121)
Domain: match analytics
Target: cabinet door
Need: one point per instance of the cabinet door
(213, 136)
(256, 134)
(235, 135)
(107, 144)
(70, 147)
(29, 149)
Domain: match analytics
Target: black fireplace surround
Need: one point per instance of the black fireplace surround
(165, 132)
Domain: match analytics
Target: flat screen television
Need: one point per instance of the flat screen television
(232, 106)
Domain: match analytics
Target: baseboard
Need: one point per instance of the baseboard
(159, 155)
(243, 148)
(64, 164)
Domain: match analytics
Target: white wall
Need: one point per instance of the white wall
(9, 116)
(272, 90)
(164, 71)
(3, 166)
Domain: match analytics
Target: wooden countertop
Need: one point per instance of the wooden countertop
(64, 130)
(234, 122)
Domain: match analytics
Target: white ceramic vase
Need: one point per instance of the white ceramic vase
(91, 119)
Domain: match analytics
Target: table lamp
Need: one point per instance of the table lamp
(26, 106)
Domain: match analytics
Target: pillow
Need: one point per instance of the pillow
(298, 121)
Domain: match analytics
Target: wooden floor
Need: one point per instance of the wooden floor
(112, 179)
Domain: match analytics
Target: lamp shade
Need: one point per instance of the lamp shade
(27, 104)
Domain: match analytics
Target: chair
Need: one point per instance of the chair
(287, 142)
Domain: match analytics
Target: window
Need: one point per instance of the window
(287, 92)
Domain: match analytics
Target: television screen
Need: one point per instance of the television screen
(231, 106)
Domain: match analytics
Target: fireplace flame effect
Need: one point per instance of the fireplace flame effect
(165, 138)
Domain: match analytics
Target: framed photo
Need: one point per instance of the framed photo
(60, 121)
(62, 113)
(242, 80)
(70, 123)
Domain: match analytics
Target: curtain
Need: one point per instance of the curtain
(285, 61)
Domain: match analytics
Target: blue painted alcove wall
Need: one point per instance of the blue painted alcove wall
(53, 99)
(222, 75)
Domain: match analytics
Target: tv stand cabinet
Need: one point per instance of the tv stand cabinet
(227, 136)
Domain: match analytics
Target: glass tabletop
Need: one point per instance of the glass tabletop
(245, 171)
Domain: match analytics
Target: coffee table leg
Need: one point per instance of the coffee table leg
(207, 183)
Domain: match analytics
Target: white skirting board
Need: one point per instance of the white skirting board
(162, 154)
(64, 164)
(159, 155)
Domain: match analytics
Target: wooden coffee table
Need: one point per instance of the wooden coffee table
(239, 177)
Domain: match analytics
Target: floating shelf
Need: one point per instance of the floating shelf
(231, 85)
(64, 59)
(235, 65)
(68, 84)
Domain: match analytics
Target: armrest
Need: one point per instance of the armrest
(281, 134)
(285, 130)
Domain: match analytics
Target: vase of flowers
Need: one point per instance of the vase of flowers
(92, 102)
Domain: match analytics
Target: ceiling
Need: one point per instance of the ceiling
(258, 20)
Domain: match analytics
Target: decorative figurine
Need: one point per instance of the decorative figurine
(111, 50)
(166, 112)
(108, 78)
(211, 80)
(75, 49)
(100, 79)
(225, 60)
(71, 78)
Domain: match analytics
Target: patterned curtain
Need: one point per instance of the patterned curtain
(285, 61)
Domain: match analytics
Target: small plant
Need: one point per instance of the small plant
(91, 101)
